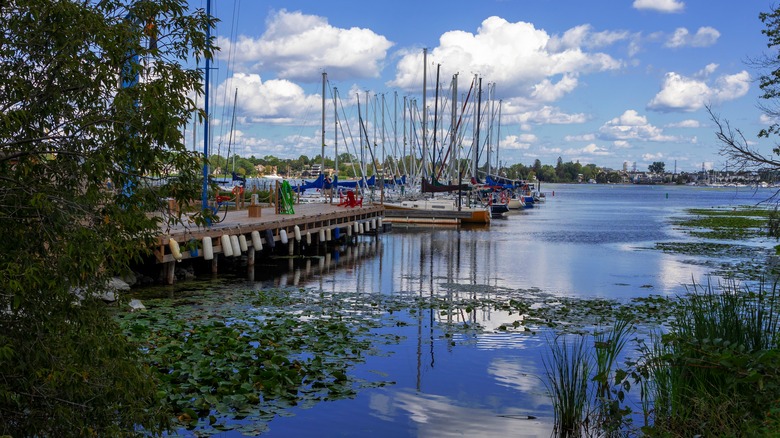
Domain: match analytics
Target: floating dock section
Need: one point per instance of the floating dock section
(247, 233)
(437, 217)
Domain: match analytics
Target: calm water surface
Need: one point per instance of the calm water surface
(584, 241)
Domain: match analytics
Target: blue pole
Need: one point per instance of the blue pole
(130, 79)
(205, 199)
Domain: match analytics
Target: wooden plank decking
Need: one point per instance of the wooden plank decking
(309, 218)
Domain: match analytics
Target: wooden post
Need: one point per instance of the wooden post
(170, 271)
(250, 263)
(250, 256)
(214, 265)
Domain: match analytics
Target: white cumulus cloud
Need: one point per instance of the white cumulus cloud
(583, 137)
(591, 149)
(704, 37)
(516, 142)
(621, 144)
(689, 123)
(524, 60)
(668, 6)
(275, 100)
(632, 126)
(301, 47)
(680, 93)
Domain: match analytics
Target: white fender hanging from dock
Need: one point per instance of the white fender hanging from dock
(242, 243)
(257, 242)
(308, 238)
(297, 233)
(227, 247)
(322, 235)
(175, 250)
(283, 236)
(208, 249)
(236, 246)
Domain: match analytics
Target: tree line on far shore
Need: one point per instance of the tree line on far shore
(562, 172)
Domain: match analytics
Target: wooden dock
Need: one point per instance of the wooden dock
(438, 217)
(311, 224)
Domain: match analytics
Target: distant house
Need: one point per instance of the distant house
(313, 172)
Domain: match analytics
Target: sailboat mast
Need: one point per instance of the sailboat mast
(395, 130)
(435, 120)
(230, 138)
(205, 194)
(322, 154)
(451, 152)
(382, 134)
(474, 163)
(425, 115)
(336, 131)
(498, 138)
(403, 153)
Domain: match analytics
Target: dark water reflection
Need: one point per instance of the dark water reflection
(585, 241)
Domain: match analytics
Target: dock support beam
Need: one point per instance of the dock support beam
(170, 272)
(250, 256)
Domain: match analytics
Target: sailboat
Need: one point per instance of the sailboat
(436, 202)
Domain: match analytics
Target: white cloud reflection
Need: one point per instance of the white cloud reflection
(438, 416)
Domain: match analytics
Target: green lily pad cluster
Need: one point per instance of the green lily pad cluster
(238, 359)
(266, 351)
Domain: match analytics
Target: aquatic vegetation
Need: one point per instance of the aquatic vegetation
(720, 356)
(717, 353)
(236, 360)
(710, 249)
(568, 370)
(586, 387)
(251, 355)
(721, 224)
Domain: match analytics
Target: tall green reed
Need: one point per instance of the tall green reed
(568, 371)
(716, 371)
(610, 380)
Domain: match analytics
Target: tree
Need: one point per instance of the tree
(547, 174)
(537, 167)
(657, 167)
(93, 96)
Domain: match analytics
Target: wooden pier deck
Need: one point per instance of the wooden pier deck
(316, 223)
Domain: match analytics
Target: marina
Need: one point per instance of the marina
(455, 372)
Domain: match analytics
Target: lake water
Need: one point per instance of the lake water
(585, 241)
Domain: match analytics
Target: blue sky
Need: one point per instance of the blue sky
(596, 81)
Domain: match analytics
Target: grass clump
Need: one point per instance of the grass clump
(714, 370)
(586, 388)
(568, 371)
(720, 357)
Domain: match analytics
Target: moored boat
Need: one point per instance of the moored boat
(441, 208)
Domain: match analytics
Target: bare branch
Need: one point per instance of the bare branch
(736, 148)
